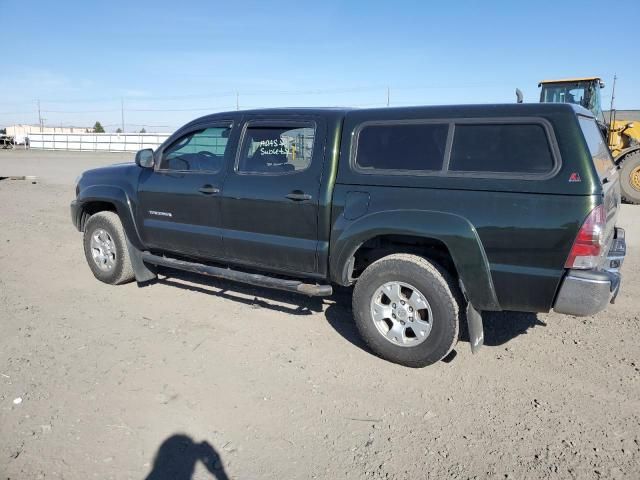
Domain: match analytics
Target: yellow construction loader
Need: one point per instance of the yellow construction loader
(623, 135)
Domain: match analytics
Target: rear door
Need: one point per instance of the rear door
(270, 198)
(179, 201)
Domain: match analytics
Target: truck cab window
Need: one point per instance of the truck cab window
(276, 150)
(202, 150)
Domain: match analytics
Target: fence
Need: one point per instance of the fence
(96, 142)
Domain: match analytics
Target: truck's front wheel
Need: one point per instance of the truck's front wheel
(406, 310)
(105, 249)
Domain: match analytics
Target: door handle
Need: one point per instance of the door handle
(298, 196)
(208, 189)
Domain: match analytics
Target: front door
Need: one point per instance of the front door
(270, 197)
(179, 209)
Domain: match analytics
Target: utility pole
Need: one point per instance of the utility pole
(122, 112)
(237, 101)
(39, 117)
(612, 112)
(388, 95)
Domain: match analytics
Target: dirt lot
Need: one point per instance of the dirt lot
(229, 381)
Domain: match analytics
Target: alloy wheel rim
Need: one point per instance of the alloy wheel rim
(634, 178)
(401, 314)
(103, 250)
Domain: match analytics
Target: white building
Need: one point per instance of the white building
(21, 131)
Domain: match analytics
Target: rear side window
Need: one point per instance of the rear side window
(501, 148)
(597, 146)
(276, 149)
(413, 147)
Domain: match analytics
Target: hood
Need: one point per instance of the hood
(119, 175)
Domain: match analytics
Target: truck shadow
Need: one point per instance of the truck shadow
(255, 297)
(178, 456)
(499, 327)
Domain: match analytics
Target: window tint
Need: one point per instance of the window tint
(513, 148)
(402, 147)
(267, 149)
(197, 151)
(598, 148)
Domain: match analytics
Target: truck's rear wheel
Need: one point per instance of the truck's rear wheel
(406, 310)
(105, 249)
(630, 178)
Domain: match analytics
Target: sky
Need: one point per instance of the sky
(169, 62)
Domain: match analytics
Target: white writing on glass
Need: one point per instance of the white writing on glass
(273, 147)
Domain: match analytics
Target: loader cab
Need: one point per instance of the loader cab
(579, 91)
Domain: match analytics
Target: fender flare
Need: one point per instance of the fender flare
(454, 231)
(621, 156)
(124, 207)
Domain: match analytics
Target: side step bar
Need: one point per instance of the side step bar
(243, 277)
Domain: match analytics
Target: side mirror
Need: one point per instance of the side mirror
(144, 158)
(628, 125)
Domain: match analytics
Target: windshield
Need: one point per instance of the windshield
(575, 93)
(585, 94)
(599, 151)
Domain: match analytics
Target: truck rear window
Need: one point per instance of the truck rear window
(599, 150)
(501, 148)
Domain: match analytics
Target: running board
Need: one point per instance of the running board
(243, 277)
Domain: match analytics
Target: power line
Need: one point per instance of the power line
(82, 111)
(233, 93)
(208, 109)
(17, 113)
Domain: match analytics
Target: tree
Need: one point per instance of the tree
(3, 131)
(97, 128)
(143, 130)
(119, 130)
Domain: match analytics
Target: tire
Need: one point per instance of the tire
(434, 285)
(630, 178)
(105, 248)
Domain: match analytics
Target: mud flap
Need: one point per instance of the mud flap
(476, 331)
(141, 270)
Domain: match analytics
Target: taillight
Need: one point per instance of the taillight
(589, 242)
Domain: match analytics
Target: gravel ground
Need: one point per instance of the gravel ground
(198, 378)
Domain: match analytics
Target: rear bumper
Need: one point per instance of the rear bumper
(587, 292)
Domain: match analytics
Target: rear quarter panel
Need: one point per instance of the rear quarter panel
(526, 237)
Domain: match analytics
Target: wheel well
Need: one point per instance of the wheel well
(620, 159)
(383, 245)
(92, 208)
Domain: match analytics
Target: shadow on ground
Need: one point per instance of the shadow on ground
(499, 327)
(178, 456)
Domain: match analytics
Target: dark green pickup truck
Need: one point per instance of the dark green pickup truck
(434, 214)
